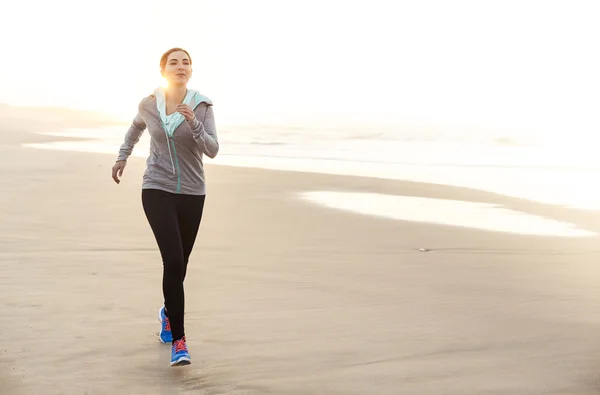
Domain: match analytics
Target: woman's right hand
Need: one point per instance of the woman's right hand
(117, 170)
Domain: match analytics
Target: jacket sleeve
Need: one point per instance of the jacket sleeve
(132, 137)
(205, 132)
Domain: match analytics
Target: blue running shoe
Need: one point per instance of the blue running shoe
(165, 335)
(179, 353)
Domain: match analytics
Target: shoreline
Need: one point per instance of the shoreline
(496, 197)
(560, 186)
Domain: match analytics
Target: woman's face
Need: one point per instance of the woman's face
(178, 69)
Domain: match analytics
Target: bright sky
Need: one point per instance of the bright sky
(503, 64)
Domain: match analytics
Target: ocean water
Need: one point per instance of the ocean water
(483, 216)
(547, 173)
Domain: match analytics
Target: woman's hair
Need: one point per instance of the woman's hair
(165, 57)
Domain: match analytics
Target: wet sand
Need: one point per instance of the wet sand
(283, 296)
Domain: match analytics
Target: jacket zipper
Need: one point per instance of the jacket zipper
(176, 166)
(171, 142)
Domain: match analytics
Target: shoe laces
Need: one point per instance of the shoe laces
(180, 345)
(167, 324)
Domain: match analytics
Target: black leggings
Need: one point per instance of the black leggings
(174, 220)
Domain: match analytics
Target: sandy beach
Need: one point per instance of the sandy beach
(283, 296)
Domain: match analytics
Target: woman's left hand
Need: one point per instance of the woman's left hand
(186, 111)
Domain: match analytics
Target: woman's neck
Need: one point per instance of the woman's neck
(176, 93)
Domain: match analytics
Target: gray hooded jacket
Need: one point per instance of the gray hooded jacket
(174, 163)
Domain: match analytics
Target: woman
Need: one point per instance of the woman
(181, 125)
